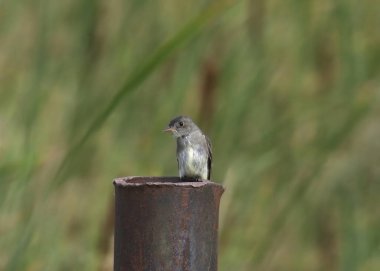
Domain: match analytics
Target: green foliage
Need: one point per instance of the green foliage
(288, 92)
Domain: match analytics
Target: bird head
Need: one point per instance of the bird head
(181, 126)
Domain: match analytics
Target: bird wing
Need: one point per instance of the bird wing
(209, 158)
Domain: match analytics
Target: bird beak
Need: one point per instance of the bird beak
(169, 129)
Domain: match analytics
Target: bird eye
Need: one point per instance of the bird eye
(181, 123)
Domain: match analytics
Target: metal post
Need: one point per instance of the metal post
(163, 223)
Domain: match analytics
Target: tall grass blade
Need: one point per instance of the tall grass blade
(142, 72)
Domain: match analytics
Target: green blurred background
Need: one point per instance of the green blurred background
(288, 92)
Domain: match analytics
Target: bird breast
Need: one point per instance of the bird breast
(192, 161)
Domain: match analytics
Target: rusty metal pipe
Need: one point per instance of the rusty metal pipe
(163, 223)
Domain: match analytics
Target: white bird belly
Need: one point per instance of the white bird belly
(192, 163)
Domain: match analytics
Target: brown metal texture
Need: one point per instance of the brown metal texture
(164, 223)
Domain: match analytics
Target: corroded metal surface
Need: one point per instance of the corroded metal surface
(164, 224)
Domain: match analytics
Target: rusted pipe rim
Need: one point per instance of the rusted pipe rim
(161, 181)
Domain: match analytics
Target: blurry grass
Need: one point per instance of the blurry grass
(87, 86)
(140, 73)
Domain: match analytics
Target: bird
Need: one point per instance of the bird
(194, 155)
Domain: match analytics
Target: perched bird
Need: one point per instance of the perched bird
(194, 155)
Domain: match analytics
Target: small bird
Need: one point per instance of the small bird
(194, 154)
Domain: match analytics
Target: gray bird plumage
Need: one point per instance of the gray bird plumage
(194, 154)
